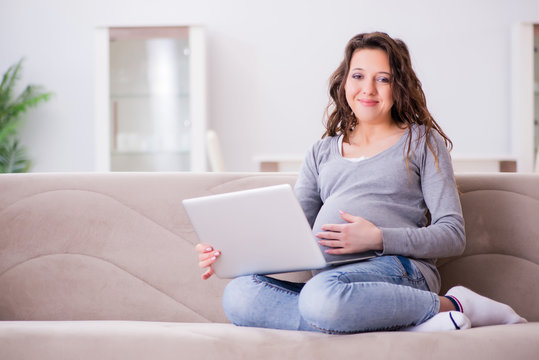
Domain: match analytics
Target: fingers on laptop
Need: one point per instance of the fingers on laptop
(206, 259)
(207, 256)
(202, 248)
(207, 264)
(207, 274)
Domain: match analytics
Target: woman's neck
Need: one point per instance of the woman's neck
(370, 133)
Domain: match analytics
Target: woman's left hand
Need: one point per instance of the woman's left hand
(357, 235)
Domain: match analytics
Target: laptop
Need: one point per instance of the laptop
(259, 231)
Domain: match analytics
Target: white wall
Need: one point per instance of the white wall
(269, 62)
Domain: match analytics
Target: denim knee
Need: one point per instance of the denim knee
(348, 300)
(237, 300)
(320, 302)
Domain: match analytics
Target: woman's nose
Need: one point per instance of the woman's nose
(369, 88)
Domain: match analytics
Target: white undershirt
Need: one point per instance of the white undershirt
(350, 159)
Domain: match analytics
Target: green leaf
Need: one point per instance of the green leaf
(9, 128)
(13, 158)
(8, 82)
(30, 97)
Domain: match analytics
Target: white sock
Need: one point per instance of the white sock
(444, 321)
(483, 311)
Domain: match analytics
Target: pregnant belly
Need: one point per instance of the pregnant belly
(329, 214)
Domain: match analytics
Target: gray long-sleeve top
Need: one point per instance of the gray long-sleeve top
(383, 191)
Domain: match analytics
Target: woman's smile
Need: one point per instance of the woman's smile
(368, 102)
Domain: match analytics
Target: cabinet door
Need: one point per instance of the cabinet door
(157, 99)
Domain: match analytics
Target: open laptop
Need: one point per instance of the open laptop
(259, 231)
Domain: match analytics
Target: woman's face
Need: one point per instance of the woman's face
(368, 86)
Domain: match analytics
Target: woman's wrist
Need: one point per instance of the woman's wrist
(378, 240)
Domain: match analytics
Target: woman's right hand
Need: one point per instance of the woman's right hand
(207, 255)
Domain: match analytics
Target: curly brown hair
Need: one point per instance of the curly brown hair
(410, 105)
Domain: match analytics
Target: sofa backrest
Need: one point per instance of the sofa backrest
(501, 259)
(119, 246)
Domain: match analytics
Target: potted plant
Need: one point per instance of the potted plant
(13, 156)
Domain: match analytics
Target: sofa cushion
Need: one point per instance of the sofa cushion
(112, 246)
(153, 340)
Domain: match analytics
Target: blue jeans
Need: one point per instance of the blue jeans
(383, 293)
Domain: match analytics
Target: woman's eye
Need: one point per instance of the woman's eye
(357, 76)
(383, 79)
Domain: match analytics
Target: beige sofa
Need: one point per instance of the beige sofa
(102, 266)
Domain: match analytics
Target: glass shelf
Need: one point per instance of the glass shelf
(151, 161)
(148, 96)
(153, 153)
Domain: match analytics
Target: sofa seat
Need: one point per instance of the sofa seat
(85, 340)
